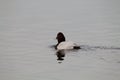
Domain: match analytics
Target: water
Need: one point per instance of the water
(28, 29)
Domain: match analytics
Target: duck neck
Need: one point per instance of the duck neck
(58, 44)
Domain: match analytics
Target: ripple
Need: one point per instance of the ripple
(87, 47)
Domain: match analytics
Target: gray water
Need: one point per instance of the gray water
(28, 29)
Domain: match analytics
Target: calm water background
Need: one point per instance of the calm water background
(28, 28)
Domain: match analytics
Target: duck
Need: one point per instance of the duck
(65, 45)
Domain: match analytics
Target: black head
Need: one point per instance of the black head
(60, 37)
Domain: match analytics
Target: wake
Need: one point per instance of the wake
(87, 47)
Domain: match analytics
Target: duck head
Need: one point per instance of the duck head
(60, 37)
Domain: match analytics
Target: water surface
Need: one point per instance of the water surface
(28, 29)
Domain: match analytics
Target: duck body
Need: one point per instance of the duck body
(67, 45)
(63, 44)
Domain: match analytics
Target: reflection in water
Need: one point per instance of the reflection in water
(60, 55)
